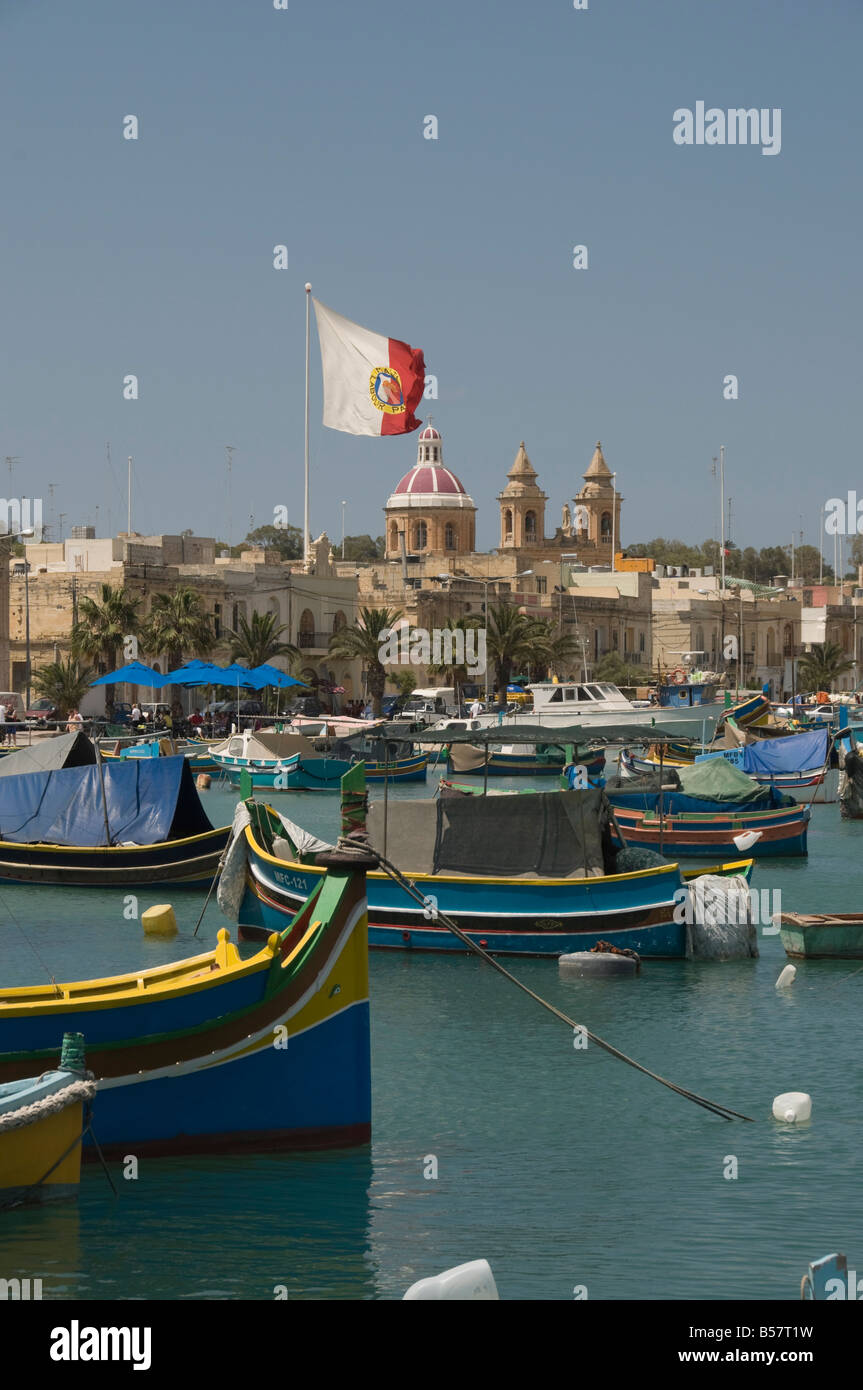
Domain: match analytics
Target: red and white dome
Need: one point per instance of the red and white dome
(429, 483)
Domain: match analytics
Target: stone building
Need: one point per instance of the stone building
(311, 605)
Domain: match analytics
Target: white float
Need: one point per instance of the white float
(582, 965)
(793, 1107)
(787, 977)
(471, 1282)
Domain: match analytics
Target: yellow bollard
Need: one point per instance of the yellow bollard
(159, 921)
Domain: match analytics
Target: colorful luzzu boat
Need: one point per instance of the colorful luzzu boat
(197, 755)
(216, 1053)
(512, 911)
(41, 1125)
(702, 809)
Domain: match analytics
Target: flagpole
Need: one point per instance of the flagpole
(307, 546)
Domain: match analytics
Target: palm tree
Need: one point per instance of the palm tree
(453, 673)
(362, 642)
(102, 627)
(64, 683)
(513, 639)
(557, 650)
(820, 668)
(258, 642)
(178, 625)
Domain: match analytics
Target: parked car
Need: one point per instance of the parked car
(41, 711)
(309, 706)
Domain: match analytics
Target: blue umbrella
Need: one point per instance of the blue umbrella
(194, 673)
(269, 675)
(136, 673)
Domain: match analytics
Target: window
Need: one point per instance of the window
(605, 526)
(507, 524)
(556, 698)
(641, 641)
(339, 621)
(541, 584)
(530, 526)
(394, 536)
(217, 620)
(420, 536)
(449, 536)
(568, 694)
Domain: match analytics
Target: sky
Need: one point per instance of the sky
(304, 127)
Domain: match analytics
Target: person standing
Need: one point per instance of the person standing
(2, 723)
(12, 725)
(475, 709)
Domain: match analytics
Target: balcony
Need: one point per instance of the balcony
(315, 641)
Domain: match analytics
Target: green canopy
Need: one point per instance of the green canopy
(716, 779)
(580, 734)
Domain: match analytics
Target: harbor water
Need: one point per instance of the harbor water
(493, 1136)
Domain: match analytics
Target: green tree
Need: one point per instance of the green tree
(64, 683)
(285, 541)
(455, 673)
(257, 642)
(821, 667)
(362, 642)
(513, 640)
(178, 627)
(362, 548)
(102, 626)
(404, 681)
(613, 668)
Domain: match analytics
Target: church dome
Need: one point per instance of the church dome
(429, 483)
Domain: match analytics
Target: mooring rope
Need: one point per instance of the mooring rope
(358, 849)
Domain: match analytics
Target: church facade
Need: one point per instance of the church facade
(430, 514)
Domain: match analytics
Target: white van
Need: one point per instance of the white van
(430, 703)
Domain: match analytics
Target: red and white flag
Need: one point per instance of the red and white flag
(372, 384)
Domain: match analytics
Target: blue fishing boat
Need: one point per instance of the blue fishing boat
(122, 825)
(702, 810)
(797, 764)
(218, 1053)
(684, 693)
(197, 756)
(521, 875)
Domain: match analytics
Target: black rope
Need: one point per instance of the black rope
(722, 1111)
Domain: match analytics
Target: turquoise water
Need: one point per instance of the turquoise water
(561, 1167)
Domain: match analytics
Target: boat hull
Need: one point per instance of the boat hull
(508, 916)
(28, 1151)
(226, 1055)
(781, 832)
(825, 939)
(187, 863)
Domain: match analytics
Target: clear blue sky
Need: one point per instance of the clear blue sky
(304, 127)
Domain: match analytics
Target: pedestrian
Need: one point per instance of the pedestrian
(75, 722)
(2, 723)
(11, 724)
(475, 709)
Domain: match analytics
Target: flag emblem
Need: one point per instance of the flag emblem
(385, 386)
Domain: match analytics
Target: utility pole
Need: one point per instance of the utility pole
(229, 458)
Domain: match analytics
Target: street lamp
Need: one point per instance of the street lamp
(344, 504)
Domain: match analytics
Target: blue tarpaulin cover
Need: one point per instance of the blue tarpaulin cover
(796, 753)
(149, 800)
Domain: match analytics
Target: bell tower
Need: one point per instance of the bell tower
(596, 504)
(522, 506)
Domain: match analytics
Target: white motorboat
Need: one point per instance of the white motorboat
(599, 703)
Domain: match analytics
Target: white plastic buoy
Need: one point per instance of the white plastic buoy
(471, 1282)
(787, 977)
(746, 840)
(582, 965)
(792, 1106)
